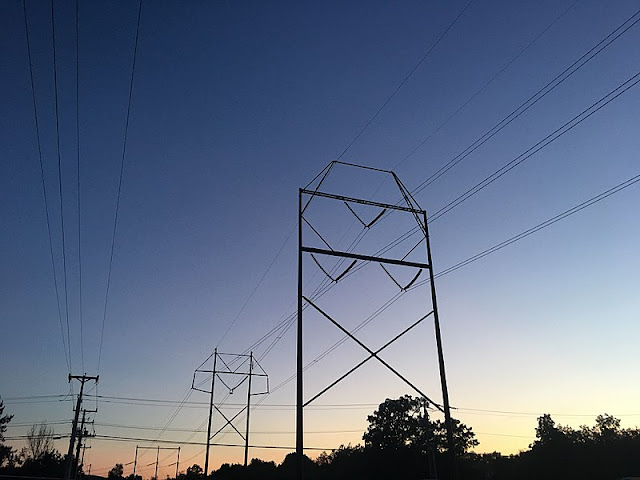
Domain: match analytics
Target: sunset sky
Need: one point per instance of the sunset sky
(236, 105)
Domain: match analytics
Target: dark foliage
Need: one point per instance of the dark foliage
(6, 452)
(403, 442)
(116, 472)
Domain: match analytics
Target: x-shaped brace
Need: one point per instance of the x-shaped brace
(372, 354)
(229, 422)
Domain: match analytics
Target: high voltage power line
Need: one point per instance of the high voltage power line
(406, 78)
(589, 55)
(522, 108)
(364, 128)
(44, 188)
(124, 153)
(57, 110)
(547, 140)
(78, 184)
(66, 338)
(473, 258)
(485, 85)
(541, 93)
(67, 344)
(532, 100)
(593, 200)
(535, 98)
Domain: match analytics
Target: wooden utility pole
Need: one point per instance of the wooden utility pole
(157, 458)
(82, 433)
(74, 427)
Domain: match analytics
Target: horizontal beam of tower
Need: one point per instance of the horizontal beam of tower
(361, 201)
(367, 258)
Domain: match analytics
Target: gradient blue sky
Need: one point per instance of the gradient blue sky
(238, 104)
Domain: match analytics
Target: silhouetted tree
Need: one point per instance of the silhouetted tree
(600, 452)
(116, 472)
(288, 467)
(405, 423)
(396, 424)
(193, 472)
(6, 452)
(345, 462)
(260, 469)
(50, 464)
(40, 440)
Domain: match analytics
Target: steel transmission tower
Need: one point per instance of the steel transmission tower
(231, 370)
(156, 463)
(418, 217)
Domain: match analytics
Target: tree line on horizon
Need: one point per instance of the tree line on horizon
(401, 441)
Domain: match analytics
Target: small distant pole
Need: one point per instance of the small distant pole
(157, 459)
(135, 461)
(84, 447)
(178, 462)
(80, 436)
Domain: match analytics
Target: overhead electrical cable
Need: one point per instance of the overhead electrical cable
(587, 203)
(589, 55)
(486, 84)
(533, 99)
(575, 209)
(255, 289)
(511, 61)
(559, 132)
(124, 153)
(187, 430)
(547, 140)
(289, 324)
(411, 72)
(57, 110)
(179, 442)
(550, 221)
(583, 115)
(44, 189)
(406, 78)
(78, 185)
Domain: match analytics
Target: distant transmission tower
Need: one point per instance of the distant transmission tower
(417, 216)
(157, 449)
(231, 379)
